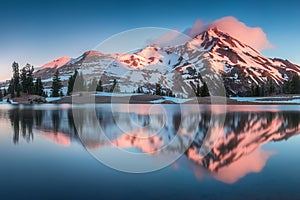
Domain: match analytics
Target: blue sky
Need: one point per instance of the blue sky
(39, 31)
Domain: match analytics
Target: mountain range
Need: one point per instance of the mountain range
(213, 56)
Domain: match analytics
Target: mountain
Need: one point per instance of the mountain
(240, 65)
(56, 63)
(212, 56)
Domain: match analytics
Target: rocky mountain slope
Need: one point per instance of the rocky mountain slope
(212, 56)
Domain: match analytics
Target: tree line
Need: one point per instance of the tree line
(76, 83)
(22, 81)
(198, 91)
(270, 87)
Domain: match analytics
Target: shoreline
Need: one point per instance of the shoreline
(87, 98)
(155, 99)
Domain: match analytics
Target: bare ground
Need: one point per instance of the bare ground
(28, 99)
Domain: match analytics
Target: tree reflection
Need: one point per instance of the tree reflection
(55, 118)
(26, 120)
(23, 121)
(15, 120)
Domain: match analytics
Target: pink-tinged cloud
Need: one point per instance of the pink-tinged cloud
(197, 28)
(253, 36)
(165, 38)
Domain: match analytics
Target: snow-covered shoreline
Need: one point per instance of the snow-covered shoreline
(269, 99)
(138, 98)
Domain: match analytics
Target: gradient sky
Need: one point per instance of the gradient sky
(38, 31)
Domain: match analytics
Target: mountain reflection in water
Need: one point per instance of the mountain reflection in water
(235, 153)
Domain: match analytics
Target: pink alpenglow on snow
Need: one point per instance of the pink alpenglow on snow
(56, 63)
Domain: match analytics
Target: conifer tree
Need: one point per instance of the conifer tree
(14, 85)
(30, 80)
(115, 87)
(158, 89)
(38, 87)
(11, 88)
(295, 85)
(71, 82)
(16, 78)
(26, 77)
(99, 86)
(56, 85)
(24, 80)
(204, 90)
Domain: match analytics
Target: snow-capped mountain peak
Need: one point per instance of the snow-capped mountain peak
(239, 64)
(56, 63)
(150, 55)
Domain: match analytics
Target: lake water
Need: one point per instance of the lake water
(188, 152)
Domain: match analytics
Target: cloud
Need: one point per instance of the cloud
(196, 29)
(253, 36)
(170, 38)
(166, 38)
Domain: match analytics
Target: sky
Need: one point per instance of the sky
(38, 31)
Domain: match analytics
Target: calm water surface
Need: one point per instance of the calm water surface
(47, 154)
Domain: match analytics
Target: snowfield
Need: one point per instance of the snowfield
(50, 99)
(4, 101)
(109, 94)
(266, 100)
